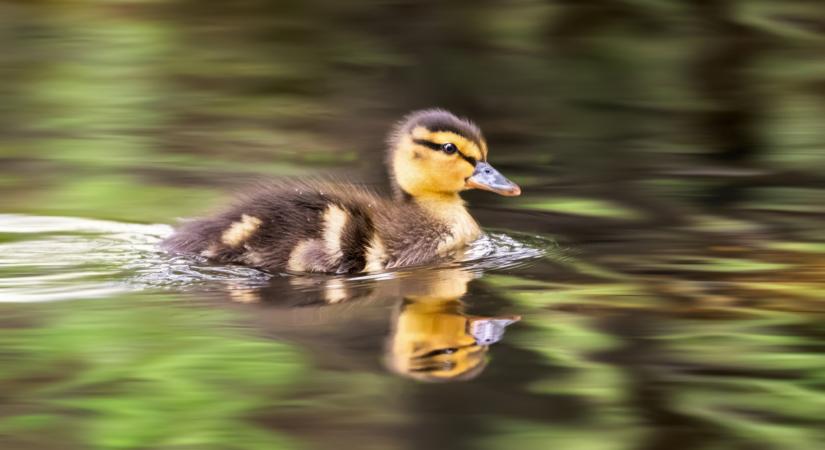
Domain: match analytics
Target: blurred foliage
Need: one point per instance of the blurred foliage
(152, 375)
(208, 94)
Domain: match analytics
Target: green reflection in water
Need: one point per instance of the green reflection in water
(139, 371)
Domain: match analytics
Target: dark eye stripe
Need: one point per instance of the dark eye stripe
(434, 146)
(429, 144)
(469, 159)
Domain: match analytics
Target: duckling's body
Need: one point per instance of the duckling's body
(320, 227)
(342, 228)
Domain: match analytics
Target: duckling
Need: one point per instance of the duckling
(323, 227)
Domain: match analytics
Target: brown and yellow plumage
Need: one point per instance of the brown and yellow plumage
(342, 228)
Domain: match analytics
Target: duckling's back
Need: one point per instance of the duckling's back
(313, 227)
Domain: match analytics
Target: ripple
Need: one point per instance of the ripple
(500, 250)
(64, 258)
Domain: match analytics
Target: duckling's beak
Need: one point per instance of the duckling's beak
(488, 178)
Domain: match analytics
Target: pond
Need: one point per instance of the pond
(659, 284)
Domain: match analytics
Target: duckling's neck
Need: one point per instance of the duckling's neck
(450, 210)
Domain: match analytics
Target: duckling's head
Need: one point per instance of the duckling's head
(435, 154)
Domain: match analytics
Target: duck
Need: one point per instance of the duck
(320, 226)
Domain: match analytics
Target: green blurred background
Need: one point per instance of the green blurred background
(675, 151)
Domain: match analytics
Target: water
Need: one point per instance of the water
(143, 341)
(659, 285)
(99, 258)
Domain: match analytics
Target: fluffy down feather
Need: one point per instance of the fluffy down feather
(315, 227)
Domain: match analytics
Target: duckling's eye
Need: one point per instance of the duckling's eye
(449, 148)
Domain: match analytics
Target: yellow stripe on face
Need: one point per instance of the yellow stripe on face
(466, 146)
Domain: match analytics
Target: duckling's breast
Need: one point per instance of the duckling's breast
(463, 230)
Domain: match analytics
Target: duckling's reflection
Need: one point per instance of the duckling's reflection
(431, 338)
(434, 340)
